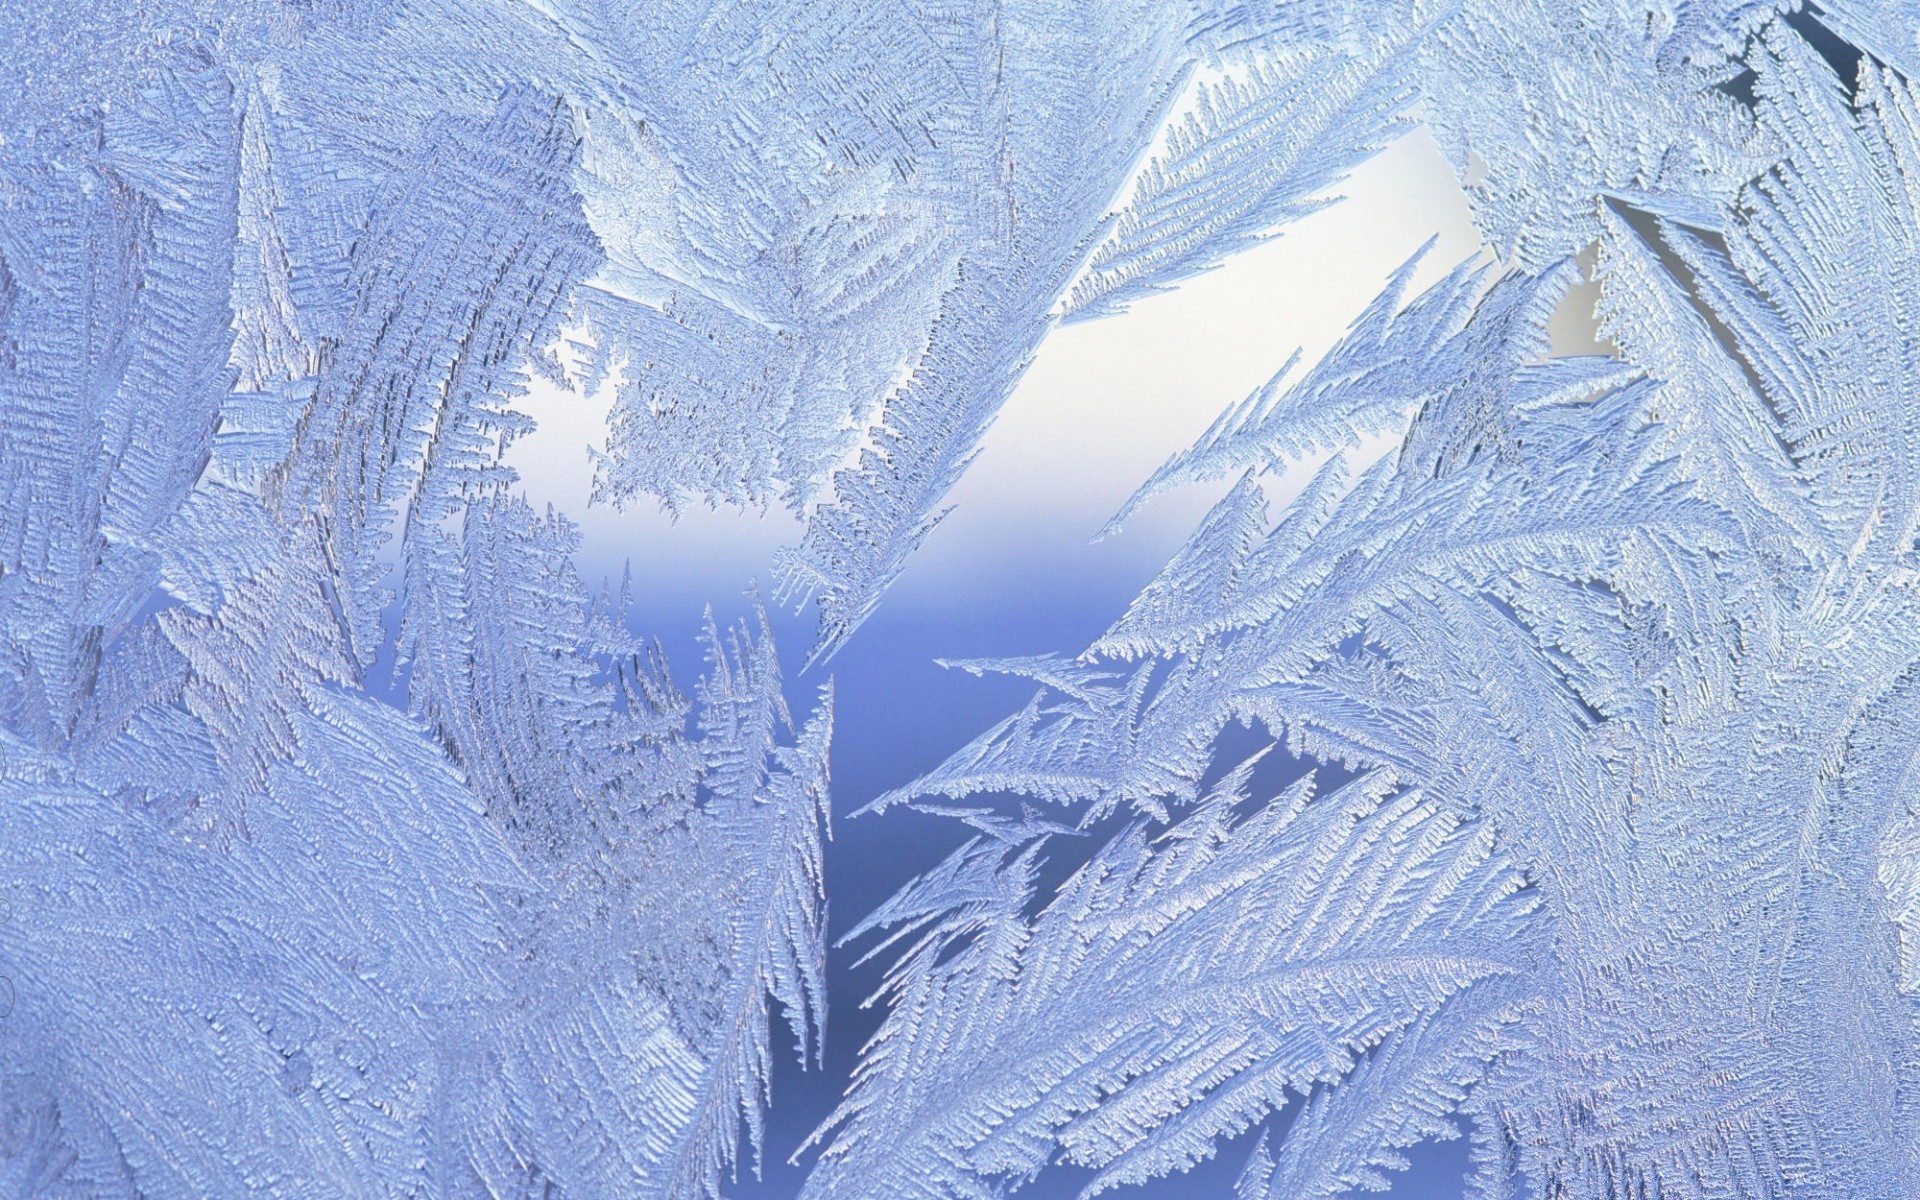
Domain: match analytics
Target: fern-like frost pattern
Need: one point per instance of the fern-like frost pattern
(354, 846)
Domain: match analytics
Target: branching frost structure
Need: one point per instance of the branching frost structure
(276, 934)
(1646, 622)
(355, 847)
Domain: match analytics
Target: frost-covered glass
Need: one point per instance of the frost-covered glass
(351, 844)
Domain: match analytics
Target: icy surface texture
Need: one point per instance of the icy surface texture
(1616, 656)
(270, 279)
(354, 847)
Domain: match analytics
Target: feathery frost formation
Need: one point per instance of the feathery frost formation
(270, 281)
(353, 847)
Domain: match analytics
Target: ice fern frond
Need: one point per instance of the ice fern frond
(1171, 991)
(664, 1006)
(1405, 1091)
(353, 846)
(1647, 624)
(1262, 144)
(1575, 484)
(427, 890)
(1454, 345)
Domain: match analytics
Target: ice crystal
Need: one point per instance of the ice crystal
(1646, 624)
(354, 846)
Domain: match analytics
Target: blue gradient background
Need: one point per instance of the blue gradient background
(1011, 572)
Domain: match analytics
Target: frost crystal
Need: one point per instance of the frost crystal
(354, 847)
